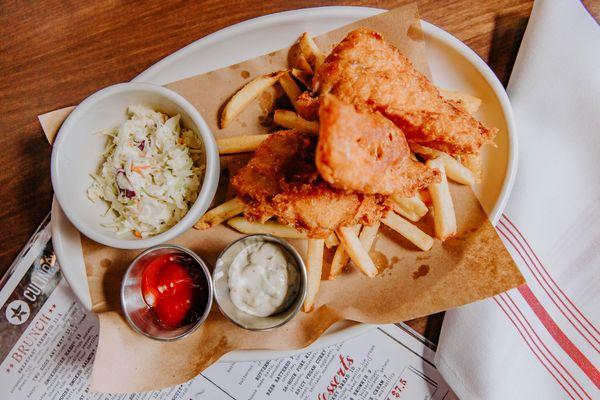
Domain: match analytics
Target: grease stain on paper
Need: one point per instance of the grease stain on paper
(421, 271)
(415, 32)
(382, 262)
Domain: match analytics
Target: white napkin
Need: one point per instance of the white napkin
(542, 341)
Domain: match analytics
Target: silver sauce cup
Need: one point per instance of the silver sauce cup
(221, 286)
(139, 315)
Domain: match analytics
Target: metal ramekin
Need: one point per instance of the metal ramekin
(221, 286)
(138, 313)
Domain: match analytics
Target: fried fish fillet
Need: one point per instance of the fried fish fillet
(366, 71)
(366, 152)
(281, 181)
(307, 106)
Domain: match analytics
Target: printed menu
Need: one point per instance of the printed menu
(48, 341)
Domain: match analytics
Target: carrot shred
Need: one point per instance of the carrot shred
(139, 168)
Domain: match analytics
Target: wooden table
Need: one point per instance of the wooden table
(54, 54)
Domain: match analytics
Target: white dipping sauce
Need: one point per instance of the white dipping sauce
(262, 279)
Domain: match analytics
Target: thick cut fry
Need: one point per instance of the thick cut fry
(311, 51)
(412, 208)
(425, 197)
(331, 241)
(297, 60)
(426, 152)
(303, 77)
(245, 95)
(314, 266)
(467, 101)
(443, 209)
(355, 250)
(242, 225)
(416, 236)
(308, 106)
(290, 88)
(221, 213)
(368, 234)
(340, 258)
(454, 169)
(240, 144)
(291, 120)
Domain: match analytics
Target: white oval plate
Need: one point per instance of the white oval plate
(453, 66)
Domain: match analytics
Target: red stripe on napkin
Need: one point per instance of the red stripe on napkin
(516, 307)
(543, 273)
(530, 345)
(564, 342)
(561, 309)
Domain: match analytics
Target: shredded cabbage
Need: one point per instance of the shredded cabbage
(151, 172)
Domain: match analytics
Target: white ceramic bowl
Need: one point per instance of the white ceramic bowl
(77, 152)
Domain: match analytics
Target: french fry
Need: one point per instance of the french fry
(303, 77)
(368, 234)
(427, 152)
(444, 217)
(297, 60)
(311, 51)
(314, 266)
(454, 169)
(221, 213)
(290, 87)
(416, 236)
(425, 197)
(308, 107)
(340, 258)
(356, 251)
(242, 225)
(291, 120)
(240, 144)
(331, 241)
(469, 102)
(245, 95)
(412, 208)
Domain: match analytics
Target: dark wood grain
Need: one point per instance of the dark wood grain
(55, 53)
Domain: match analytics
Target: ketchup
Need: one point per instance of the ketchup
(175, 288)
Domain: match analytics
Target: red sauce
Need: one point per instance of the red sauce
(175, 288)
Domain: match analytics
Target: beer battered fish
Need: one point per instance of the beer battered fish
(281, 180)
(366, 71)
(366, 152)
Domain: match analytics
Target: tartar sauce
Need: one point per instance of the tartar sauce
(262, 279)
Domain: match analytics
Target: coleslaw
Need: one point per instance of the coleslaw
(151, 172)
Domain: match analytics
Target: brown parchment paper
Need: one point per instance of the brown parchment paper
(472, 266)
